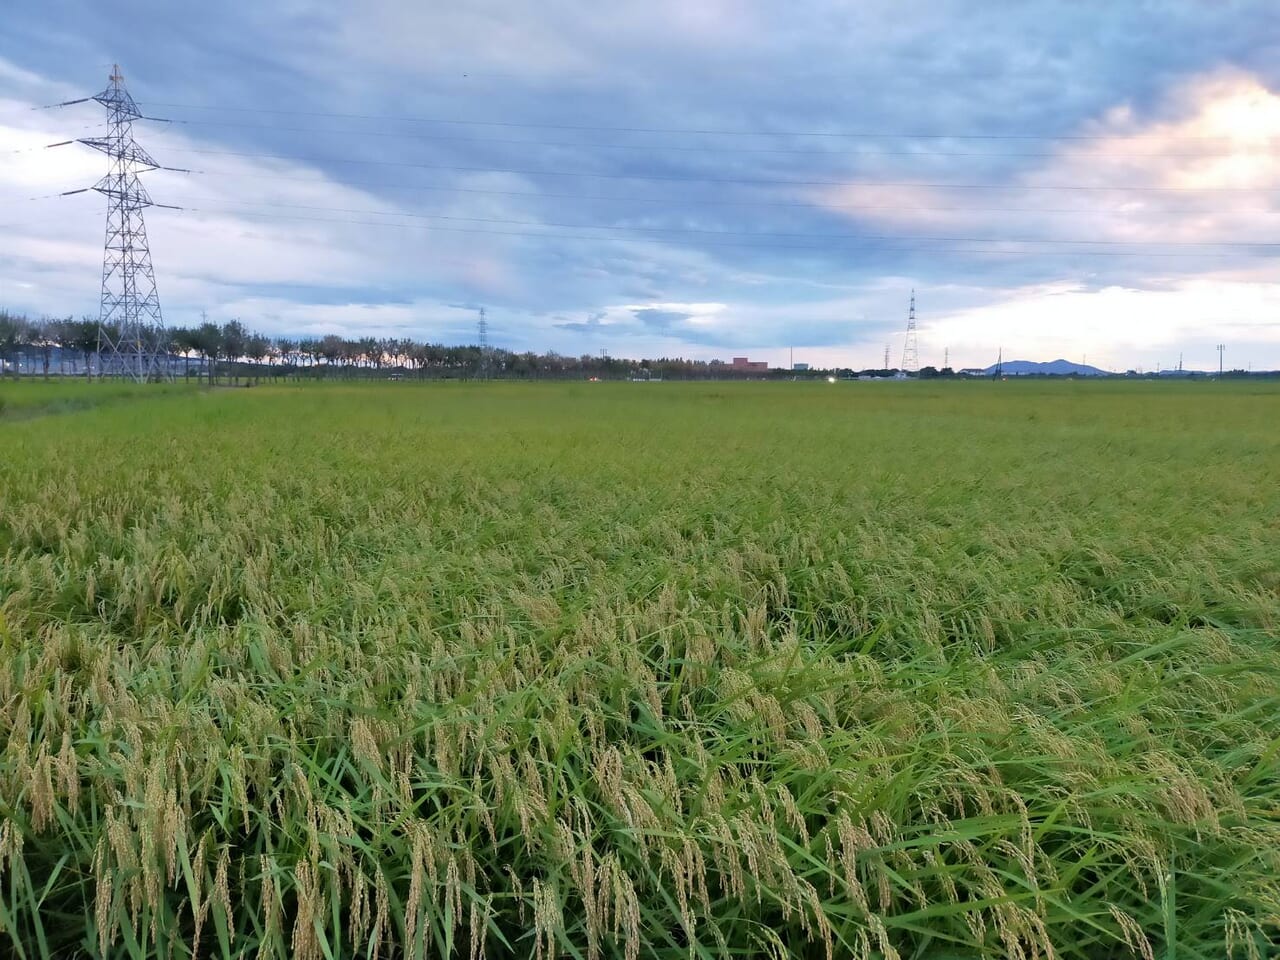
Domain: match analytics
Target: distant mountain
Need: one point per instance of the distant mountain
(1022, 368)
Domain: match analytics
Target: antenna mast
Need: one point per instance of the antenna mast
(910, 352)
(482, 328)
(132, 341)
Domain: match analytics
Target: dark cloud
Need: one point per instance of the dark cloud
(660, 319)
(591, 325)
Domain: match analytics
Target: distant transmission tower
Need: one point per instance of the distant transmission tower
(132, 341)
(886, 356)
(482, 328)
(1222, 347)
(910, 352)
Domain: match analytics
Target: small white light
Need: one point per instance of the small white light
(831, 379)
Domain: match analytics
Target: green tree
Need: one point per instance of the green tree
(84, 340)
(235, 339)
(282, 349)
(59, 332)
(257, 348)
(370, 349)
(43, 338)
(186, 342)
(332, 348)
(13, 333)
(209, 344)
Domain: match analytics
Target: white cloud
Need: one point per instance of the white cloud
(1217, 176)
(317, 233)
(1210, 175)
(1116, 327)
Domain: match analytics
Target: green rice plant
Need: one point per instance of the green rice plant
(37, 397)
(570, 670)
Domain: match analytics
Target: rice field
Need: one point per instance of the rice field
(34, 396)
(643, 670)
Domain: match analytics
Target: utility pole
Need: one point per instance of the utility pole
(210, 358)
(1221, 349)
(132, 341)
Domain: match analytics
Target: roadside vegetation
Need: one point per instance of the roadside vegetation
(612, 670)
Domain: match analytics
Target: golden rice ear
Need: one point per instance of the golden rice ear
(310, 911)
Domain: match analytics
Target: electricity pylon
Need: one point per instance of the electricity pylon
(132, 341)
(910, 352)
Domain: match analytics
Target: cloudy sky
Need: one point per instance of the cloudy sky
(694, 178)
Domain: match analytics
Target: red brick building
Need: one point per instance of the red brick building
(743, 365)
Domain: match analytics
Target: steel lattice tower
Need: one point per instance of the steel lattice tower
(910, 351)
(131, 335)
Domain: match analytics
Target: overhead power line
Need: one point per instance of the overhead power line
(680, 148)
(681, 201)
(766, 235)
(744, 240)
(825, 245)
(746, 181)
(233, 207)
(704, 131)
(779, 241)
(810, 206)
(704, 233)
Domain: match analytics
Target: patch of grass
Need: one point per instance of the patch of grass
(824, 670)
(32, 397)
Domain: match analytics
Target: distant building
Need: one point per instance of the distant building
(800, 367)
(743, 365)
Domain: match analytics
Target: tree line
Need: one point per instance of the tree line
(230, 351)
